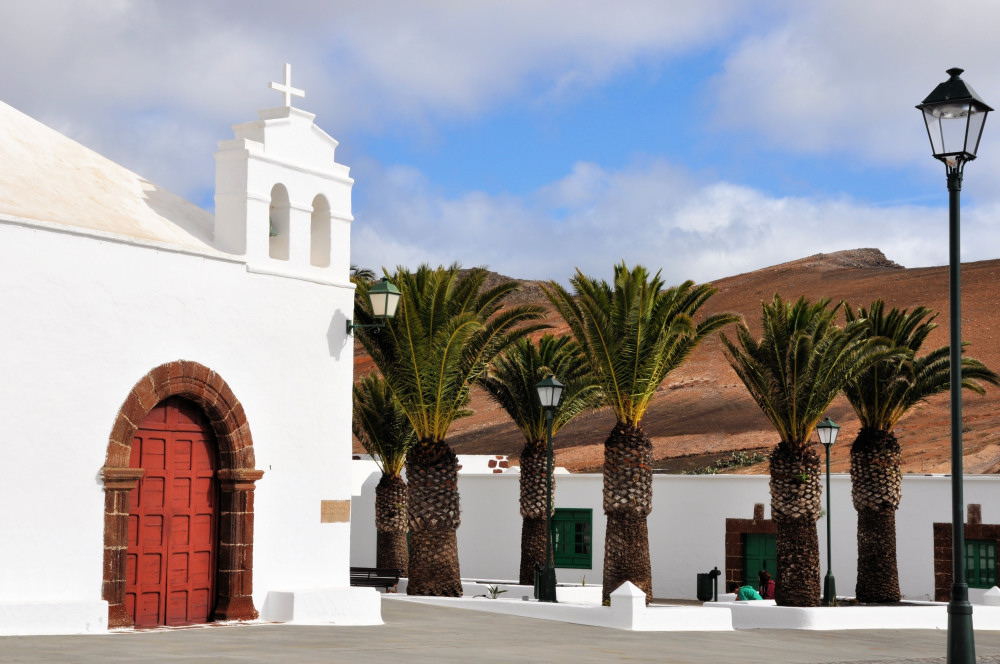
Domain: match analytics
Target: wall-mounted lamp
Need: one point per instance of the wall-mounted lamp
(384, 298)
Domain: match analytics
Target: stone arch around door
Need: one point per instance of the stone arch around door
(737, 531)
(236, 477)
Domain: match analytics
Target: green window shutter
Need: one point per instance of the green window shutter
(572, 537)
(760, 552)
(981, 563)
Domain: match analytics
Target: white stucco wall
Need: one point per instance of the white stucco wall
(84, 319)
(105, 277)
(687, 526)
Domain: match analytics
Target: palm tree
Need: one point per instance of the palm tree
(511, 384)
(793, 372)
(633, 333)
(881, 396)
(448, 328)
(362, 274)
(386, 434)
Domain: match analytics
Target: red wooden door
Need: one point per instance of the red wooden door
(170, 563)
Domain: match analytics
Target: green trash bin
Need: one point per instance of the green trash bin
(705, 587)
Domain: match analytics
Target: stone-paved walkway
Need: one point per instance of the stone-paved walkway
(418, 633)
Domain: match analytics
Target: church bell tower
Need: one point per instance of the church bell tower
(281, 200)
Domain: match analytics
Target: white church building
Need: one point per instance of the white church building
(175, 385)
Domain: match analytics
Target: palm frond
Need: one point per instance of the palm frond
(448, 327)
(381, 425)
(886, 391)
(800, 363)
(513, 376)
(634, 332)
(362, 274)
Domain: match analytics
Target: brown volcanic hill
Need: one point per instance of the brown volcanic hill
(702, 411)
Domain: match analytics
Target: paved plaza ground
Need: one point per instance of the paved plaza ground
(415, 633)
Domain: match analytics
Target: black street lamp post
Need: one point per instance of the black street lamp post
(549, 394)
(827, 431)
(955, 115)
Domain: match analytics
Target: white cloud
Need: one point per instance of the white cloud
(651, 213)
(844, 76)
(456, 58)
(153, 84)
(91, 67)
(812, 77)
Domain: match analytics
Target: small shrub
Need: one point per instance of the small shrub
(737, 459)
(741, 459)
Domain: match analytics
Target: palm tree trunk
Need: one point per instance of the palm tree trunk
(532, 549)
(432, 476)
(628, 500)
(876, 489)
(795, 508)
(390, 522)
(533, 461)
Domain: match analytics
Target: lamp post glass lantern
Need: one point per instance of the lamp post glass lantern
(549, 393)
(827, 431)
(955, 116)
(384, 298)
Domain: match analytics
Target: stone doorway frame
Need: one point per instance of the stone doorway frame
(236, 475)
(974, 529)
(736, 543)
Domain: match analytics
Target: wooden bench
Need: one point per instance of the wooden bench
(376, 577)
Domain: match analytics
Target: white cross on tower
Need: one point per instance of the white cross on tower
(286, 87)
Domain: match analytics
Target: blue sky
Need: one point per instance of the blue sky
(706, 138)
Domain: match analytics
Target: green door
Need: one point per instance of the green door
(981, 563)
(571, 538)
(760, 553)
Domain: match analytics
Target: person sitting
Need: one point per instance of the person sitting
(744, 593)
(766, 588)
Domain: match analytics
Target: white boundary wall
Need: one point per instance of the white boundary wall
(687, 526)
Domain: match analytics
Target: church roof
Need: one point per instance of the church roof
(45, 176)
